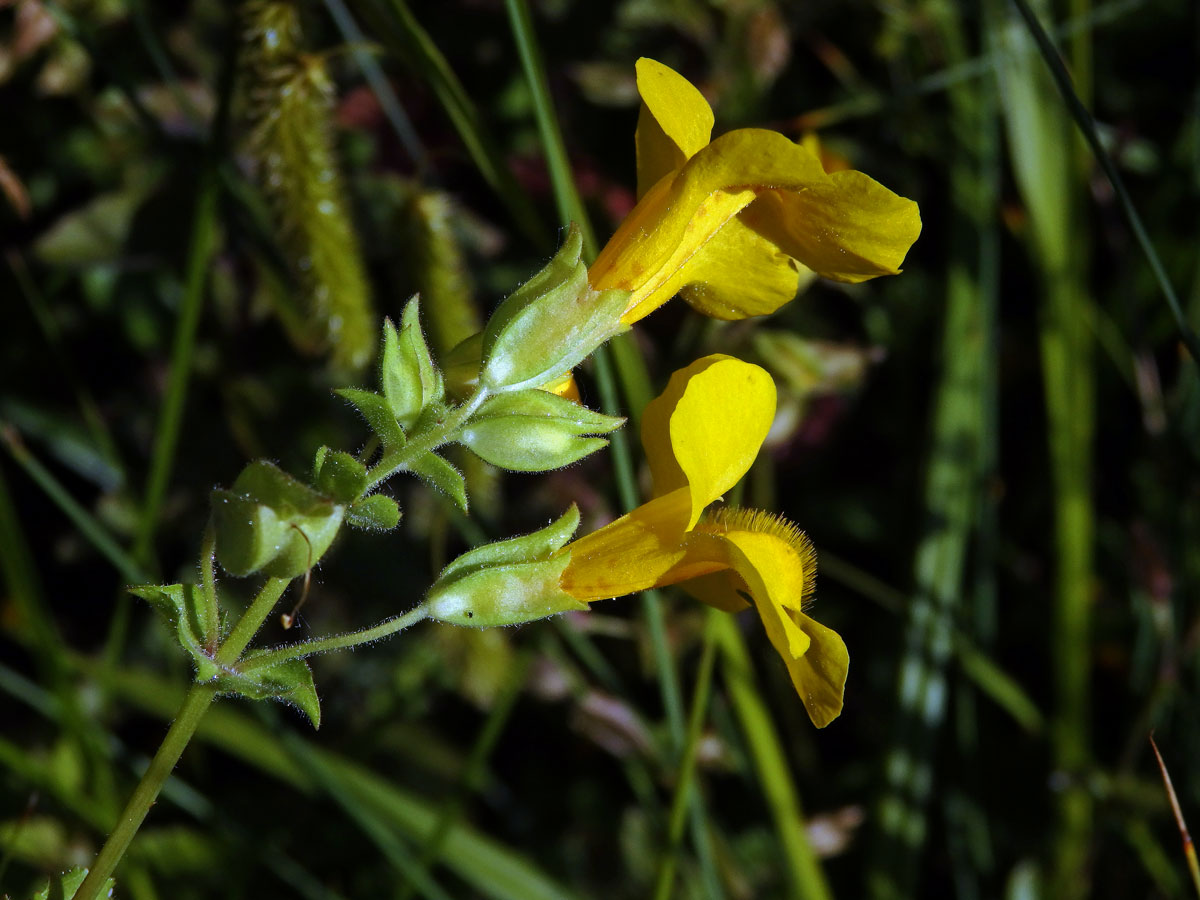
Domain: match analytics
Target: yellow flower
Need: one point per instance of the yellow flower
(701, 436)
(736, 223)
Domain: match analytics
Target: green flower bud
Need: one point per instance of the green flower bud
(271, 523)
(535, 431)
(549, 325)
(407, 373)
(339, 475)
(508, 582)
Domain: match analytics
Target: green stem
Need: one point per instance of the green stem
(687, 765)
(338, 642)
(195, 705)
(208, 581)
(247, 627)
(426, 441)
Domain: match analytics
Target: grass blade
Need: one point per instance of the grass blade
(803, 868)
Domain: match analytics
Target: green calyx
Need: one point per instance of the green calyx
(548, 325)
(508, 582)
(269, 522)
(535, 431)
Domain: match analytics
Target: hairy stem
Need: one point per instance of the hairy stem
(426, 441)
(195, 705)
(384, 629)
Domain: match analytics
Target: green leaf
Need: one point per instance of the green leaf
(535, 431)
(269, 522)
(439, 474)
(375, 409)
(182, 607)
(64, 886)
(290, 681)
(374, 513)
(526, 548)
(340, 475)
(549, 325)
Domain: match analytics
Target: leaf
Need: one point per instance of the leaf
(290, 681)
(442, 476)
(340, 475)
(182, 607)
(64, 886)
(374, 513)
(378, 413)
(407, 374)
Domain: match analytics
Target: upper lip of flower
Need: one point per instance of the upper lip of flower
(733, 223)
(695, 457)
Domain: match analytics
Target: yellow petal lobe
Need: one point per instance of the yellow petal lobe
(717, 426)
(630, 554)
(815, 656)
(843, 226)
(656, 426)
(847, 227)
(739, 274)
(674, 123)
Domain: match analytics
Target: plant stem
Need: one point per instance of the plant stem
(247, 627)
(426, 441)
(195, 705)
(208, 581)
(338, 642)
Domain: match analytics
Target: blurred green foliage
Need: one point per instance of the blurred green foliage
(995, 454)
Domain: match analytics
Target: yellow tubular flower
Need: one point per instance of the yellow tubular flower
(736, 224)
(701, 436)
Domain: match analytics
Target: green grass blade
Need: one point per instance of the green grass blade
(170, 419)
(403, 35)
(393, 109)
(1043, 161)
(953, 490)
(803, 868)
(492, 869)
(686, 782)
(91, 530)
(566, 196)
(1087, 127)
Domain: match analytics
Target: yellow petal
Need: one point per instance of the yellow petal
(739, 274)
(564, 386)
(630, 554)
(847, 228)
(815, 656)
(715, 414)
(674, 123)
(843, 226)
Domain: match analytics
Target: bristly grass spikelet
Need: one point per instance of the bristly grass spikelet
(287, 100)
